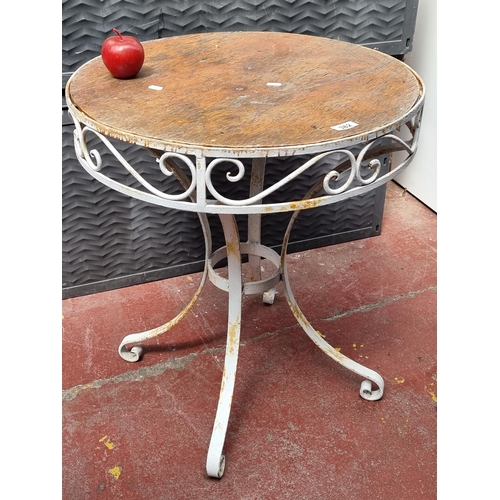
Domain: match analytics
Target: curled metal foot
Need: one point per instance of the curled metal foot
(135, 352)
(169, 167)
(215, 458)
(366, 390)
(215, 469)
(133, 355)
(268, 297)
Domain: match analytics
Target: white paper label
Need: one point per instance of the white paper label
(155, 87)
(345, 126)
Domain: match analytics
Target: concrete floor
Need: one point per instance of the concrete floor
(298, 427)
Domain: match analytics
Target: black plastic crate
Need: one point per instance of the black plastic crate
(110, 240)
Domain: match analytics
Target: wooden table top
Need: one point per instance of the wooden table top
(248, 94)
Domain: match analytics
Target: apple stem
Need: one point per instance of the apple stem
(118, 33)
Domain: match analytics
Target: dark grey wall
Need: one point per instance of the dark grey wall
(110, 240)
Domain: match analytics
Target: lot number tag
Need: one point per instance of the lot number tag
(345, 126)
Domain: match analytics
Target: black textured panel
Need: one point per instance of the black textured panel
(387, 25)
(85, 25)
(111, 240)
(352, 215)
(108, 235)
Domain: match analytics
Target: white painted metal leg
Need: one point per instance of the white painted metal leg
(254, 220)
(367, 391)
(215, 458)
(134, 354)
(254, 226)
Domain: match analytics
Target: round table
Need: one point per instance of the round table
(203, 102)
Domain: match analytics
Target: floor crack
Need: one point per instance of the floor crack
(180, 363)
(380, 304)
(133, 376)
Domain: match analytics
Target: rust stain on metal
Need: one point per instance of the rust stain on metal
(296, 205)
(233, 248)
(232, 335)
(223, 382)
(187, 308)
(298, 313)
(328, 349)
(331, 351)
(305, 204)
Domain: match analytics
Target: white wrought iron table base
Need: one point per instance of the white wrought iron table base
(236, 287)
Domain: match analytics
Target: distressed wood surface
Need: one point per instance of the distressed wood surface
(216, 92)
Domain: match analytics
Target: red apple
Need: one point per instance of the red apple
(122, 55)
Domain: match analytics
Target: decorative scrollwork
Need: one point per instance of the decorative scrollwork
(166, 170)
(241, 171)
(356, 178)
(79, 136)
(92, 160)
(229, 176)
(398, 144)
(335, 175)
(354, 175)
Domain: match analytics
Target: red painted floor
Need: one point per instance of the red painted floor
(298, 427)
